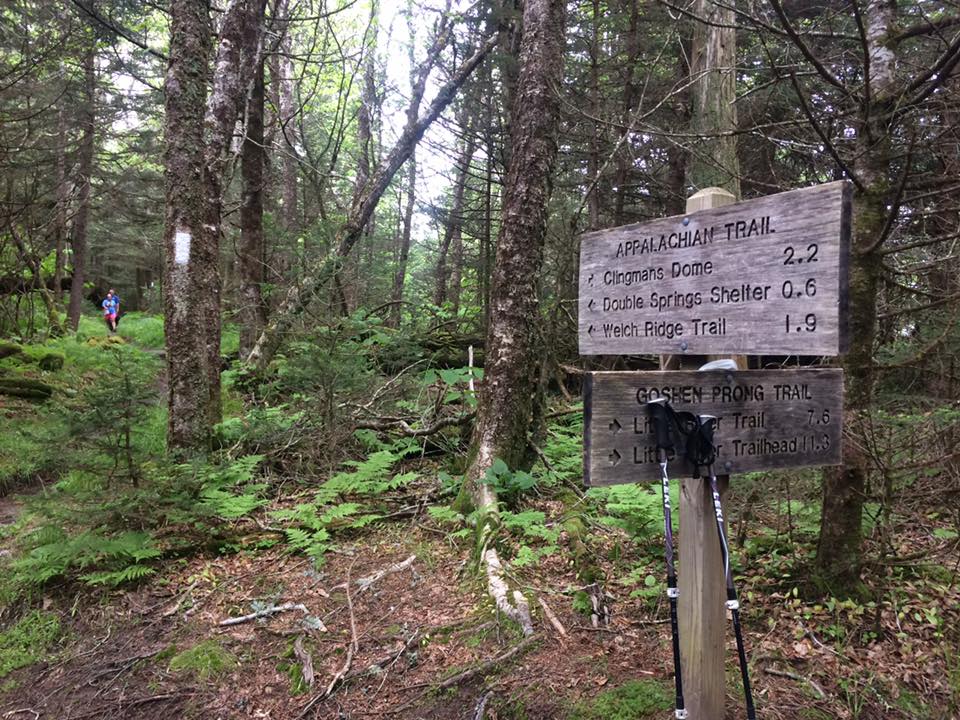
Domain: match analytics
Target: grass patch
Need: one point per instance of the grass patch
(27, 642)
(205, 660)
(635, 700)
(144, 330)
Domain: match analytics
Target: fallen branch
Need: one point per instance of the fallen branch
(468, 674)
(551, 617)
(272, 610)
(365, 583)
(397, 424)
(799, 678)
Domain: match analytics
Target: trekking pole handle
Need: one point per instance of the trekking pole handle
(660, 416)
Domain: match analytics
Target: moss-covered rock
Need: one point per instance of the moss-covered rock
(105, 341)
(52, 361)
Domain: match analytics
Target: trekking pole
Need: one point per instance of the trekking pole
(660, 416)
(706, 456)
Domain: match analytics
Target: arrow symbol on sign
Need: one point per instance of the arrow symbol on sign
(615, 426)
(590, 331)
(615, 457)
(591, 304)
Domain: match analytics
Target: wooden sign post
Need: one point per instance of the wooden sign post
(766, 276)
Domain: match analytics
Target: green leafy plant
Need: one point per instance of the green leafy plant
(509, 484)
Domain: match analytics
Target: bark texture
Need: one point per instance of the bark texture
(198, 133)
(186, 213)
(453, 232)
(403, 251)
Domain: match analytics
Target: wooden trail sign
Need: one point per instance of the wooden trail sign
(767, 419)
(765, 276)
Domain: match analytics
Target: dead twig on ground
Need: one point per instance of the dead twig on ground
(100, 712)
(365, 583)
(799, 678)
(352, 648)
(266, 612)
(466, 675)
(558, 626)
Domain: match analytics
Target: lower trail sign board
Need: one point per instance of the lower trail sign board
(764, 276)
(768, 419)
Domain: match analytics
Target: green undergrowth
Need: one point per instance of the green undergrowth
(143, 329)
(634, 700)
(348, 500)
(111, 507)
(207, 660)
(27, 641)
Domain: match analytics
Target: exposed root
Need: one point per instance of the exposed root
(519, 609)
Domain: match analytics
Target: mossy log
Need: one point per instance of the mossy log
(25, 388)
(8, 348)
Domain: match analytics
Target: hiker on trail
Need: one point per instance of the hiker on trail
(111, 308)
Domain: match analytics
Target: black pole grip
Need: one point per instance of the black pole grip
(707, 423)
(660, 417)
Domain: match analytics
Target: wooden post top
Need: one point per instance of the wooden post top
(708, 198)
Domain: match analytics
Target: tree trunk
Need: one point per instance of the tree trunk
(197, 137)
(63, 200)
(454, 227)
(78, 236)
(839, 551)
(289, 216)
(713, 161)
(593, 154)
(250, 266)
(510, 383)
(625, 154)
(186, 213)
(403, 251)
(456, 271)
(362, 207)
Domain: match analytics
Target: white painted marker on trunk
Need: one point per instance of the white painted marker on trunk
(181, 247)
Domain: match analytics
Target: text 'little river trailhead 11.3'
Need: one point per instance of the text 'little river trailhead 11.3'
(763, 276)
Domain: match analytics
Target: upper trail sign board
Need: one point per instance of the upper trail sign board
(765, 276)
